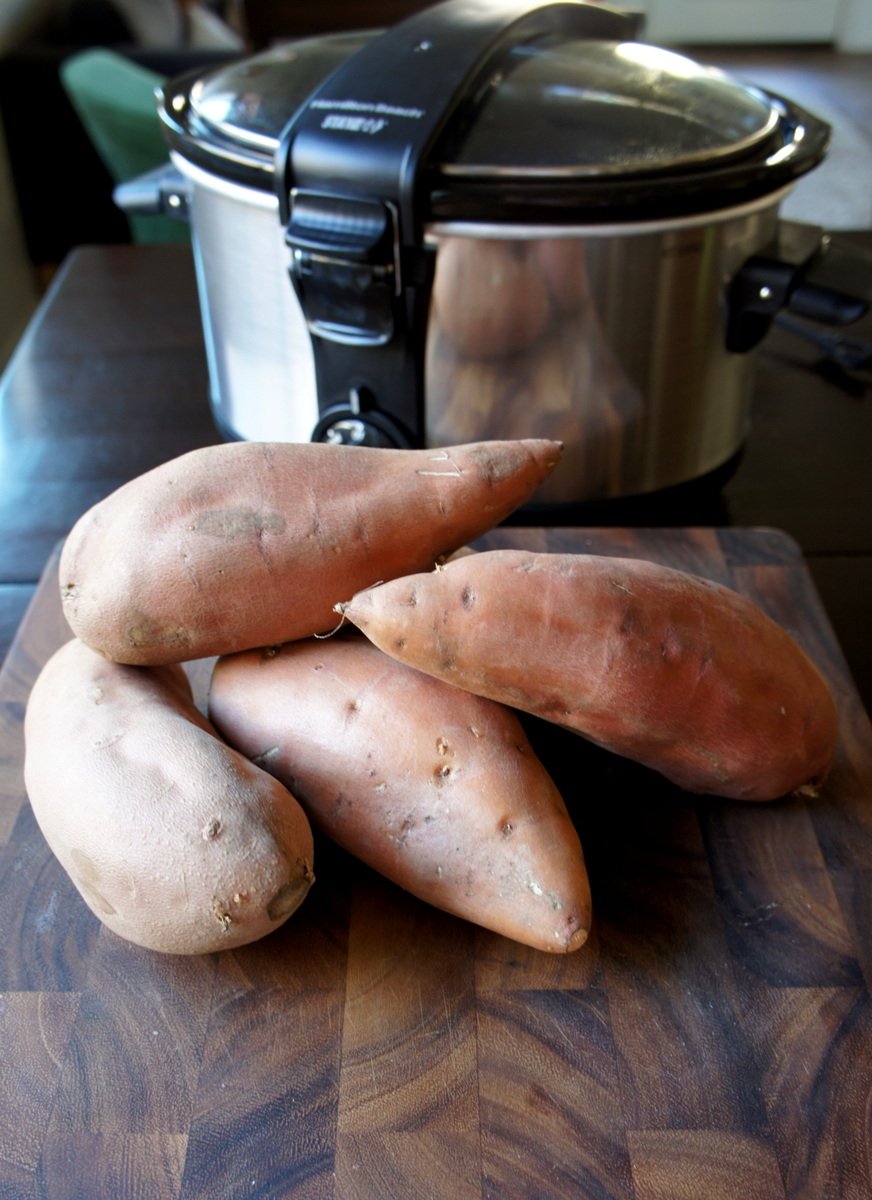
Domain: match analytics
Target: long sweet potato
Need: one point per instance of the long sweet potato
(437, 789)
(174, 840)
(248, 544)
(676, 672)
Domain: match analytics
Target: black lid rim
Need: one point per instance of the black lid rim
(643, 197)
(797, 146)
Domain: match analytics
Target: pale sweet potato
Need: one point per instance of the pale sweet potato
(437, 789)
(247, 544)
(174, 840)
(673, 671)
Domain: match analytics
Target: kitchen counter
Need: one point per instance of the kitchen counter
(713, 1038)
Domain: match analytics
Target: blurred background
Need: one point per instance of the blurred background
(56, 177)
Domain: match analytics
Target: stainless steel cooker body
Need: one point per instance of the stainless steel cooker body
(609, 338)
(581, 240)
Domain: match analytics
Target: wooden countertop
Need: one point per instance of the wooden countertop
(713, 1039)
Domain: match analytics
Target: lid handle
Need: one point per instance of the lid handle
(362, 137)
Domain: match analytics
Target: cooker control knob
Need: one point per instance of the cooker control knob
(358, 422)
(354, 431)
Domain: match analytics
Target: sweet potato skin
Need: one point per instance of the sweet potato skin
(437, 789)
(673, 671)
(174, 840)
(247, 544)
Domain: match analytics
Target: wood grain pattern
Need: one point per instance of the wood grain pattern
(551, 1109)
(712, 1039)
(684, 1164)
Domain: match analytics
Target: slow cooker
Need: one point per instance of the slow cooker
(496, 219)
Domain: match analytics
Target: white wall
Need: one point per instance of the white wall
(846, 24)
(854, 25)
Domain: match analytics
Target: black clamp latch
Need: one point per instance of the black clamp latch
(344, 265)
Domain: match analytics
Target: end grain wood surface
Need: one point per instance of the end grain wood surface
(713, 1039)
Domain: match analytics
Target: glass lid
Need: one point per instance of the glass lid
(552, 123)
(551, 107)
(592, 108)
(249, 102)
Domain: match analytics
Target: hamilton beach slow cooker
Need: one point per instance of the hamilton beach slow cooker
(496, 219)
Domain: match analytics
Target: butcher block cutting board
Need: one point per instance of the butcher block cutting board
(712, 1041)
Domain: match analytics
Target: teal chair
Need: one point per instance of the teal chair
(114, 99)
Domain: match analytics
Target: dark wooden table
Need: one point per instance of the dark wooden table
(713, 1039)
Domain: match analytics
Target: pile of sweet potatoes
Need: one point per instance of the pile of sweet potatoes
(187, 831)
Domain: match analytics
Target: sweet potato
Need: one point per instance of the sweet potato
(247, 544)
(174, 840)
(438, 790)
(673, 671)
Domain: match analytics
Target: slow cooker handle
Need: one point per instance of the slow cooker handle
(804, 271)
(347, 174)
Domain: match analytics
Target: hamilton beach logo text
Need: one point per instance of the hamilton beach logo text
(355, 116)
(353, 124)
